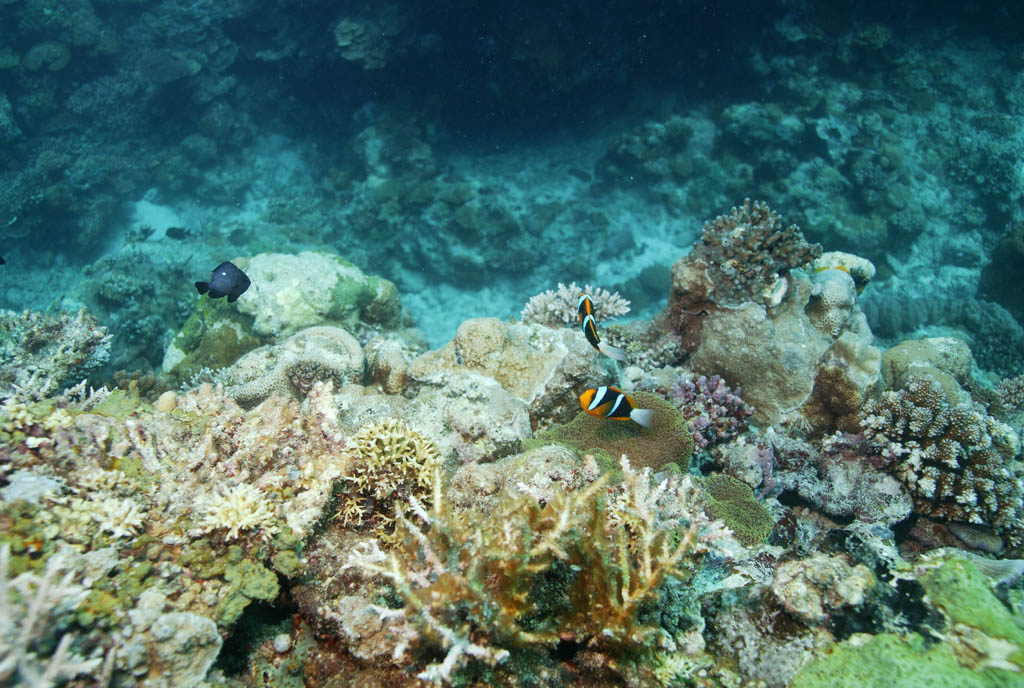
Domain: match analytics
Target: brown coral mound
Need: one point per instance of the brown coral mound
(747, 251)
(958, 462)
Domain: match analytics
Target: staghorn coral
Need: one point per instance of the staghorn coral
(32, 609)
(39, 352)
(748, 252)
(291, 367)
(388, 462)
(958, 462)
(716, 413)
(558, 307)
(528, 575)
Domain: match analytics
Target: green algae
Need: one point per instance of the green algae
(733, 501)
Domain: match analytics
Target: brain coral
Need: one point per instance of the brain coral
(291, 367)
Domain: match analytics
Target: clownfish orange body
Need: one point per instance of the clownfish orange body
(613, 403)
(585, 308)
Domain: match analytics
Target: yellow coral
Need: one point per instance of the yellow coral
(387, 460)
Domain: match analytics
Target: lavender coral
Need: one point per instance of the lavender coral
(958, 462)
(716, 413)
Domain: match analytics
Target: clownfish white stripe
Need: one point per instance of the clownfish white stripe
(598, 398)
(615, 407)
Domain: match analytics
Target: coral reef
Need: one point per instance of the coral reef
(521, 578)
(293, 366)
(176, 521)
(42, 353)
(958, 462)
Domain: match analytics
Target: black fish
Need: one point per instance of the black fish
(226, 280)
(2, 261)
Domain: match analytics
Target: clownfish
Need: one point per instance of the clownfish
(585, 308)
(613, 403)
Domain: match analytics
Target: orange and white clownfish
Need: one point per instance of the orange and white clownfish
(613, 403)
(585, 308)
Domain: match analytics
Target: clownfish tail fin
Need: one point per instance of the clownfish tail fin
(642, 416)
(611, 351)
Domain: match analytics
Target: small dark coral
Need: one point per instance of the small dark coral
(958, 462)
(749, 249)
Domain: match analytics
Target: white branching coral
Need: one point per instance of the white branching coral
(236, 509)
(119, 517)
(29, 608)
(558, 307)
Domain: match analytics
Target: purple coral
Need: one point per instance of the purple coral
(716, 413)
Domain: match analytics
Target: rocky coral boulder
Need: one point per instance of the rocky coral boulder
(546, 368)
(290, 368)
(288, 293)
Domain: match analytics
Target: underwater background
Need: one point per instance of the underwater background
(384, 460)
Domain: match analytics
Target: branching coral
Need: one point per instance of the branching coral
(957, 462)
(716, 413)
(472, 582)
(39, 352)
(30, 606)
(749, 251)
(387, 461)
(558, 307)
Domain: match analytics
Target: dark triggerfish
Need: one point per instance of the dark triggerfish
(225, 280)
(613, 403)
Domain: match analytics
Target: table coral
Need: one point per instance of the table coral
(290, 367)
(958, 462)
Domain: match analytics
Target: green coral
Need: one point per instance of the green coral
(733, 501)
(961, 592)
(889, 661)
(668, 440)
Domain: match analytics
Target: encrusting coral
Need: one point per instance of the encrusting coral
(528, 575)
